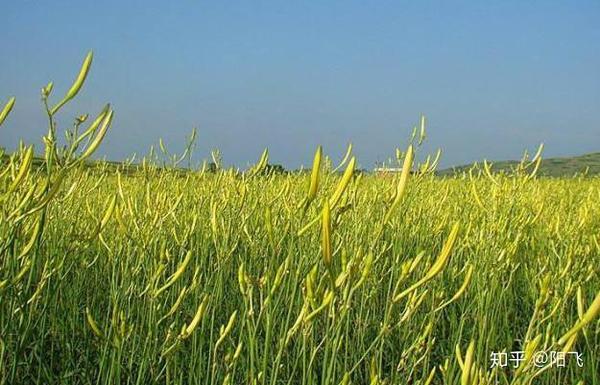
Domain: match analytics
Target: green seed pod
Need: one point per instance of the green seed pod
(92, 323)
(47, 90)
(99, 136)
(23, 169)
(77, 84)
(6, 110)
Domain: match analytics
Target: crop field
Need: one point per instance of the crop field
(327, 276)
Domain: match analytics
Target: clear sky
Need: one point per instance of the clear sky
(493, 78)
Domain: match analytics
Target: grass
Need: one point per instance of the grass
(155, 277)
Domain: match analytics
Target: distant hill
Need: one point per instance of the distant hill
(567, 166)
(557, 167)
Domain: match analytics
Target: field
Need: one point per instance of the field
(588, 164)
(225, 277)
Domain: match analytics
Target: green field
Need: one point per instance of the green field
(226, 277)
(587, 164)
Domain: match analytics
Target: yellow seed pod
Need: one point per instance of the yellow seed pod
(47, 90)
(437, 267)
(32, 239)
(92, 323)
(530, 350)
(94, 125)
(343, 183)
(589, 315)
(77, 84)
(422, 134)
(538, 154)
(22, 272)
(262, 163)
(171, 280)
(468, 364)
(161, 145)
(580, 303)
(487, 167)
(368, 262)
(346, 156)
(238, 351)
(292, 331)
(345, 379)
(225, 330)
(107, 213)
(430, 377)
(187, 331)
(314, 175)
(51, 193)
(326, 301)
(269, 226)
(242, 278)
(474, 191)
(23, 169)
(280, 274)
(99, 135)
(6, 110)
(406, 168)
(326, 234)
(568, 346)
(175, 306)
(466, 282)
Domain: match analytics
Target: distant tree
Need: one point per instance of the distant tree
(274, 169)
(211, 167)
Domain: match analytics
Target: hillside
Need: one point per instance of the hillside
(566, 166)
(556, 167)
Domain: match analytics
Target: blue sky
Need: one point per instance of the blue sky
(493, 79)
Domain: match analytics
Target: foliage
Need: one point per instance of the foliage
(222, 277)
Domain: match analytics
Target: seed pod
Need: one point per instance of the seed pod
(92, 323)
(326, 301)
(461, 290)
(23, 169)
(93, 126)
(343, 183)
(226, 330)
(314, 175)
(406, 168)
(77, 84)
(262, 163)
(296, 324)
(175, 306)
(6, 110)
(242, 278)
(589, 315)
(430, 377)
(343, 162)
(468, 364)
(107, 214)
(187, 331)
(422, 134)
(47, 90)
(580, 303)
(32, 239)
(99, 136)
(171, 280)
(22, 272)
(436, 267)
(326, 235)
